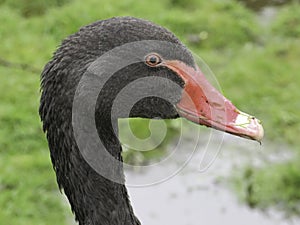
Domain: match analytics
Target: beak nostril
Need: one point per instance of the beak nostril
(217, 105)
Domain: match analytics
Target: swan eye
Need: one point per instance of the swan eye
(153, 59)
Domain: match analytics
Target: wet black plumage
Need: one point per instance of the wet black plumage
(94, 199)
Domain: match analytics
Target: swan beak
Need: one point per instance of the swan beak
(201, 103)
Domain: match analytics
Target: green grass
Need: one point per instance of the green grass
(282, 194)
(27, 183)
(257, 67)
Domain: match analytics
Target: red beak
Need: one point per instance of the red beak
(201, 103)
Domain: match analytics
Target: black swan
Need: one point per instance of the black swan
(97, 198)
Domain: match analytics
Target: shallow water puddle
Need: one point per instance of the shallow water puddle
(194, 198)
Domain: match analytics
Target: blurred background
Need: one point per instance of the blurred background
(253, 48)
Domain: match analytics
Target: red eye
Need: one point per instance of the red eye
(153, 59)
